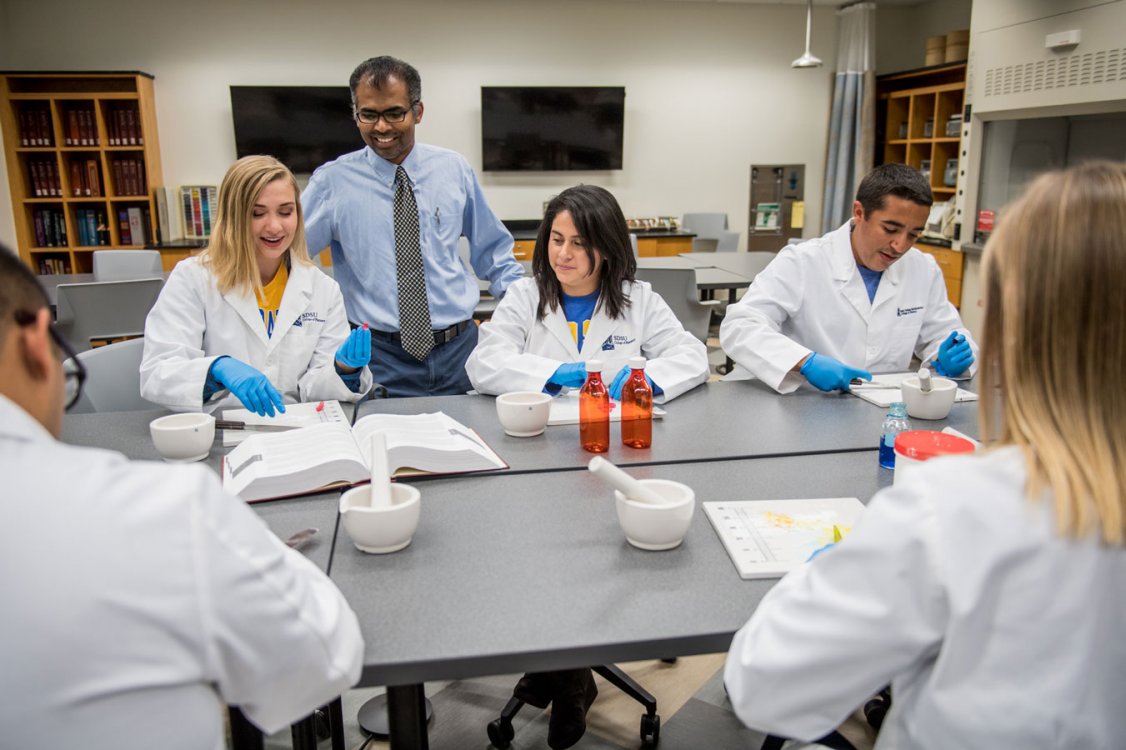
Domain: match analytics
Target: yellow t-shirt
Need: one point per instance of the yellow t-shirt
(270, 298)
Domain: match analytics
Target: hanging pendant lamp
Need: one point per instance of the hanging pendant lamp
(808, 59)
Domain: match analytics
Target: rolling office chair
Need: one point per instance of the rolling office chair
(120, 265)
(709, 228)
(678, 288)
(105, 310)
(113, 379)
(501, 732)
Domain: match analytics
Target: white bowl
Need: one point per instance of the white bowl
(523, 413)
(183, 437)
(935, 404)
(657, 527)
(384, 529)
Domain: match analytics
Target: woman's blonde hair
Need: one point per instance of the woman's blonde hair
(230, 254)
(1054, 344)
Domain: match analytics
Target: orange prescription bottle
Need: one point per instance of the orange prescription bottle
(637, 407)
(594, 410)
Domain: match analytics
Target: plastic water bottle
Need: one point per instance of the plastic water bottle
(894, 423)
(594, 410)
(637, 407)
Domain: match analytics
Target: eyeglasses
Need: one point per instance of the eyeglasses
(390, 116)
(73, 371)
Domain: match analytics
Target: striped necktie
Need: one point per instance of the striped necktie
(414, 309)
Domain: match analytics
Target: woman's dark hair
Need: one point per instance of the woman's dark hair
(601, 224)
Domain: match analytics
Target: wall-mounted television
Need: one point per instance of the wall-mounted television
(552, 128)
(302, 126)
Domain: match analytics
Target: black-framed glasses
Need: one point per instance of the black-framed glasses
(73, 372)
(391, 116)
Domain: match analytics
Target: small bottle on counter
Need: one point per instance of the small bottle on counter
(637, 407)
(894, 423)
(594, 410)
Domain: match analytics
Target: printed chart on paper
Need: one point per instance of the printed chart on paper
(768, 538)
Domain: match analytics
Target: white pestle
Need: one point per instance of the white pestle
(624, 483)
(380, 473)
(925, 383)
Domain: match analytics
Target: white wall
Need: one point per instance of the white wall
(902, 31)
(709, 88)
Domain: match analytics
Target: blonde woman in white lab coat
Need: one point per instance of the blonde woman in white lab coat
(252, 321)
(989, 590)
(583, 303)
(859, 300)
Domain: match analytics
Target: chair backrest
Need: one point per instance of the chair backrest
(105, 309)
(113, 379)
(119, 265)
(728, 242)
(704, 244)
(633, 245)
(678, 288)
(705, 225)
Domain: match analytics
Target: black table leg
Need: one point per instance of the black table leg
(244, 735)
(304, 734)
(336, 721)
(406, 705)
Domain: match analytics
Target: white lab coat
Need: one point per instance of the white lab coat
(518, 352)
(811, 298)
(993, 631)
(139, 597)
(192, 324)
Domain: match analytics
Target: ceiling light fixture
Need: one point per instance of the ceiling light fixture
(808, 59)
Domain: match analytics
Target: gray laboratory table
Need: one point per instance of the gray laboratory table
(670, 261)
(746, 265)
(717, 420)
(127, 432)
(532, 572)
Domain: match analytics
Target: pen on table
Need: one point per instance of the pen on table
(836, 534)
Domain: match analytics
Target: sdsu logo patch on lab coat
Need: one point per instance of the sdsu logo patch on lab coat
(307, 317)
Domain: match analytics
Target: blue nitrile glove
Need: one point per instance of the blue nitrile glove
(954, 356)
(569, 375)
(828, 374)
(620, 381)
(251, 387)
(355, 352)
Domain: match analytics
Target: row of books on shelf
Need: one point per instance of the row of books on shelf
(129, 175)
(123, 126)
(85, 178)
(92, 227)
(81, 128)
(35, 127)
(134, 224)
(45, 182)
(54, 265)
(50, 227)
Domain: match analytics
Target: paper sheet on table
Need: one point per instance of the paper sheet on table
(885, 397)
(297, 415)
(565, 410)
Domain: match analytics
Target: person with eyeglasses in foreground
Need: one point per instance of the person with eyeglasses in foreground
(990, 589)
(251, 320)
(382, 207)
(857, 301)
(138, 597)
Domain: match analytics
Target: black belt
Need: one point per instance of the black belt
(440, 337)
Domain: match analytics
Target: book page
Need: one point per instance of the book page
(279, 464)
(884, 389)
(297, 415)
(565, 409)
(768, 538)
(434, 443)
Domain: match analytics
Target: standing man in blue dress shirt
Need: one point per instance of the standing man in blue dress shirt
(350, 205)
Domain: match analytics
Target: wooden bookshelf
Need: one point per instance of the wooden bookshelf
(81, 150)
(913, 109)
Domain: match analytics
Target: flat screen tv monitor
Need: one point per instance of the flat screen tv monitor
(552, 128)
(302, 126)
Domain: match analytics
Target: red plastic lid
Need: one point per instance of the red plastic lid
(924, 444)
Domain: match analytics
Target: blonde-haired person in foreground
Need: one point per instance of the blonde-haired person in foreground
(252, 321)
(989, 590)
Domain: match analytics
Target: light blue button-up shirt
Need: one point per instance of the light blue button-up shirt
(348, 206)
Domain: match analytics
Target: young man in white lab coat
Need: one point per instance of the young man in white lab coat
(139, 597)
(859, 300)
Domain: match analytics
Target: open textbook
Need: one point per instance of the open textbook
(565, 409)
(884, 389)
(769, 538)
(301, 461)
